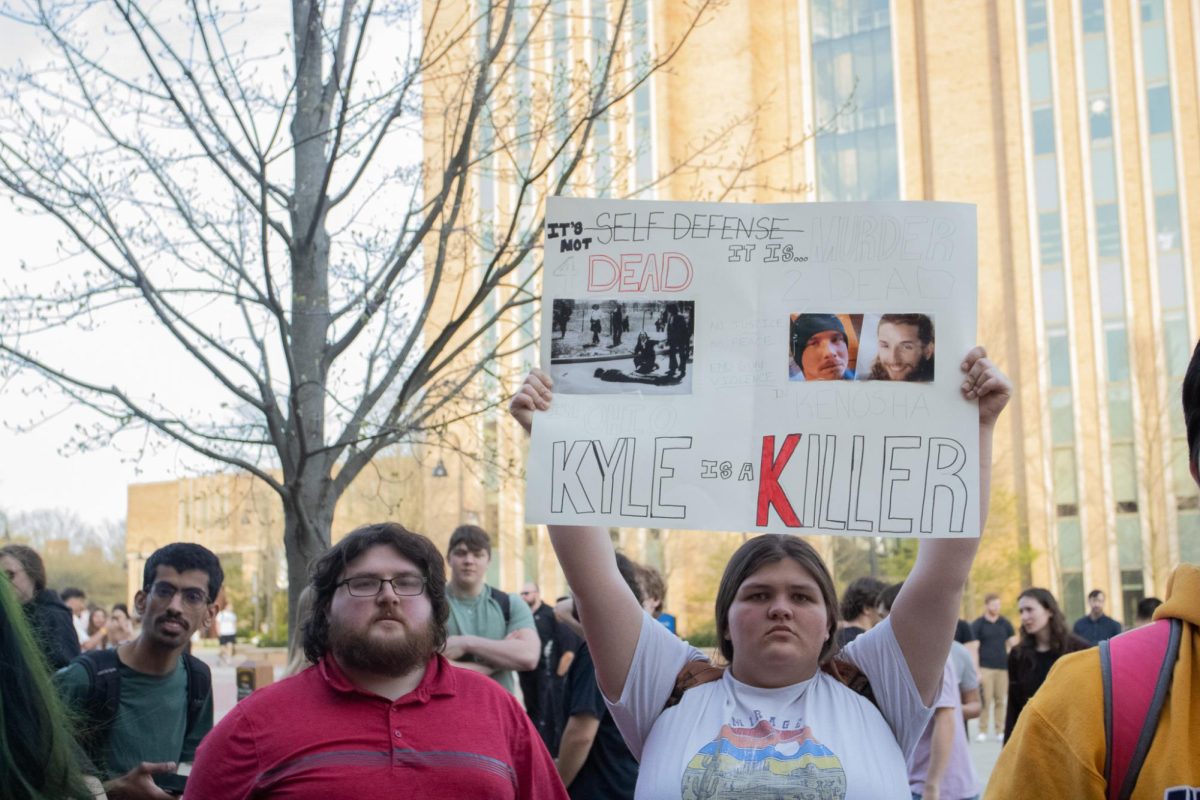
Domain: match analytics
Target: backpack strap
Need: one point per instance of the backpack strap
(504, 601)
(102, 701)
(1135, 669)
(199, 688)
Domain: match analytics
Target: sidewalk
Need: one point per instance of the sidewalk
(983, 754)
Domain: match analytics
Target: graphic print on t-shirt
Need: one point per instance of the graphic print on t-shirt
(762, 762)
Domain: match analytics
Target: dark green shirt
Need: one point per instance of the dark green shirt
(150, 724)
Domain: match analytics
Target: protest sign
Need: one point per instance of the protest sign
(786, 367)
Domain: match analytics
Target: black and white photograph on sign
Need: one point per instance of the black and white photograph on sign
(896, 347)
(606, 346)
(823, 347)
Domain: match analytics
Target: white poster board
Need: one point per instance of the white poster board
(787, 367)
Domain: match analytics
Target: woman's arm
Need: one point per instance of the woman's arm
(611, 615)
(926, 611)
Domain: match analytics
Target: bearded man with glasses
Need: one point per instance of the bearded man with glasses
(381, 713)
(144, 707)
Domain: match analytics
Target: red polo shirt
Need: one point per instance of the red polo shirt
(315, 735)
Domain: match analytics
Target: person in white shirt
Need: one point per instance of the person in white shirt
(226, 633)
(76, 600)
(775, 722)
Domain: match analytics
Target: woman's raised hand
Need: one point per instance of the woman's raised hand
(535, 394)
(986, 383)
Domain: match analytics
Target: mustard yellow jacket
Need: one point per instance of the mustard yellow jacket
(1057, 748)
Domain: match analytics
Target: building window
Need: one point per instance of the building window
(1054, 296)
(854, 99)
(1095, 62)
(1064, 476)
(1050, 249)
(1124, 473)
(1189, 535)
(1116, 347)
(1043, 131)
(1178, 345)
(1060, 360)
(1072, 595)
(1062, 418)
(1092, 12)
(1035, 22)
(1108, 231)
(1132, 591)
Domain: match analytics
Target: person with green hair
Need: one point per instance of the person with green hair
(39, 759)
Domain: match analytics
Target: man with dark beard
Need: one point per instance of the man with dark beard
(381, 713)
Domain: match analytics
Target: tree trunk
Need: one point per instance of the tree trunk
(307, 522)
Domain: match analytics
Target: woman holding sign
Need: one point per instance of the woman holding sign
(782, 719)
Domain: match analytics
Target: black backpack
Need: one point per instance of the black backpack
(104, 697)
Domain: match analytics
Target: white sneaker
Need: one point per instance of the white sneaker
(1000, 737)
(982, 737)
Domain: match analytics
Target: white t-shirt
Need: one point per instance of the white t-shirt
(226, 622)
(726, 739)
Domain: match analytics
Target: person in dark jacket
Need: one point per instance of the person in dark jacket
(48, 617)
(1044, 639)
(679, 340)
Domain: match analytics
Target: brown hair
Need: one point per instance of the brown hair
(474, 537)
(30, 561)
(653, 585)
(767, 549)
(328, 569)
(1057, 623)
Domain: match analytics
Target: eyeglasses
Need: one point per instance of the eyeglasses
(370, 586)
(523, 594)
(191, 597)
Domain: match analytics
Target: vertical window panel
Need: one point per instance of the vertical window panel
(1120, 412)
(1162, 164)
(1043, 131)
(1045, 177)
(1100, 119)
(1116, 350)
(1104, 175)
(1112, 290)
(1166, 221)
(1189, 536)
(1060, 360)
(1064, 476)
(1108, 231)
(1072, 595)
(1070, 544)
(1124, 473)
(852, 59)
(1178, 345)
(1095, 63)
(1040, 90)
(1062, 418)
(1054, 297)
(1171, 285)
(1050, 238)
(1129, 541)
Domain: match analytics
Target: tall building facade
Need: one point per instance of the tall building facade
(1071, 124)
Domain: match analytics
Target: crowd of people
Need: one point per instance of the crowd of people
(405, 666)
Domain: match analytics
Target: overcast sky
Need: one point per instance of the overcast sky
(34, 472)
(130, 350)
